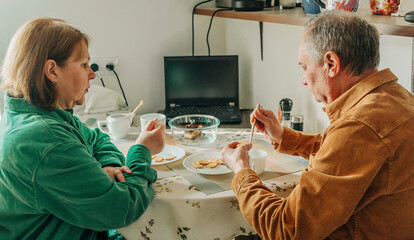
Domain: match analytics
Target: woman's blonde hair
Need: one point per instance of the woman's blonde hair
(31, 46)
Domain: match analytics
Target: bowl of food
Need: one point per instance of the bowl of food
(194, 130)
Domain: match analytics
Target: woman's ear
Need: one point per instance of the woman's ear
(50, 70)
(333, 64)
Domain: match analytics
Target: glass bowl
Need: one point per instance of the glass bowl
(194, 130)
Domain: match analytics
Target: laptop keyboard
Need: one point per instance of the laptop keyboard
(225, 114)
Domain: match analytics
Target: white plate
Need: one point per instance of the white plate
(169, 150)
(220, 169)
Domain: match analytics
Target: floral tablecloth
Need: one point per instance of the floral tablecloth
(181, 211)
(192, 206)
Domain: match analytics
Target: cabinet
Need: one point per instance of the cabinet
(386, 25)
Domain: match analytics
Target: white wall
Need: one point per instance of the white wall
(140, 33)
(279, 76)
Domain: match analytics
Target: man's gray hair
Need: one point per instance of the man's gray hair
(353, 39)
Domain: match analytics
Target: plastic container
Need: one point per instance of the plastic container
(194, 130)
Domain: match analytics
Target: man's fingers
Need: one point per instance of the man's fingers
(252, 117)
(259, 127)
(260, 116)
(233, 145)
(246, 147)
(254, 114)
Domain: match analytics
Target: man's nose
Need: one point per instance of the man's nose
(304, 82)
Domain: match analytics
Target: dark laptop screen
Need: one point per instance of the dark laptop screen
(201, 80)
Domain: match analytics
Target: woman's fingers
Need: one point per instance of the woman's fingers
(119, 176)
(126, 169)
(151, 125)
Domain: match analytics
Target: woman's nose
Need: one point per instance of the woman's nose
(92, 74)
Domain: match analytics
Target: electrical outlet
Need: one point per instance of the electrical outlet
(102, 62)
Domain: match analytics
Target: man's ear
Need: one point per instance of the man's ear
(333, 63)
(50, 70)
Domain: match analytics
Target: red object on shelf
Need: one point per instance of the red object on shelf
(384, 7)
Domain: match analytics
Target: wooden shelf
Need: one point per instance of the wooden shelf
(386, 25)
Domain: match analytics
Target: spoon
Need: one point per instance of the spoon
(254, 123)
(138, 107)
(132, 114)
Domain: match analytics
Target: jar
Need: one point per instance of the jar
(296, 122)
(287, 4)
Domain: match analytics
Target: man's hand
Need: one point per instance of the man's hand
(152, 136)
(116, 173)
(236, 158)
(267, 123)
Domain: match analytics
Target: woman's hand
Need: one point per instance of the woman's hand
(152, 136)
(236, 158)
(116, 173)
(267, 123)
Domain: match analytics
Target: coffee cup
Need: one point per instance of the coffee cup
(257, 160)
(150, 116)
(117, 125)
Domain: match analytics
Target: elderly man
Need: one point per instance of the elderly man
(360, 180)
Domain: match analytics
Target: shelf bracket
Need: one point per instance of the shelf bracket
(261, 39)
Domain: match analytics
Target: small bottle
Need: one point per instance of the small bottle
(270, 3)
(296, 122)
(286, 106)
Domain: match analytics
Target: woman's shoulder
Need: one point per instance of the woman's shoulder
(38, 128)
(25, 138)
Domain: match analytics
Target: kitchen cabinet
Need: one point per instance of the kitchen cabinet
(387, 25)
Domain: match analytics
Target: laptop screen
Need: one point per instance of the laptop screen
(201, 80)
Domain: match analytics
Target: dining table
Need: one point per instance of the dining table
(191, 205)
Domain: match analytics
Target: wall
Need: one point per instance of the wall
(140, 33)
(278, 75)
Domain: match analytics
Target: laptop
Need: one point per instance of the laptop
(202, 85)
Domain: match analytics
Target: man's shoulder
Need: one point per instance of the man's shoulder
(384, 109)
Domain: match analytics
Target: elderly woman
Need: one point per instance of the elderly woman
(58, 178)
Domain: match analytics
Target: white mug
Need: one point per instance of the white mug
(150, 116)
(258, 160)
(118, 125)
